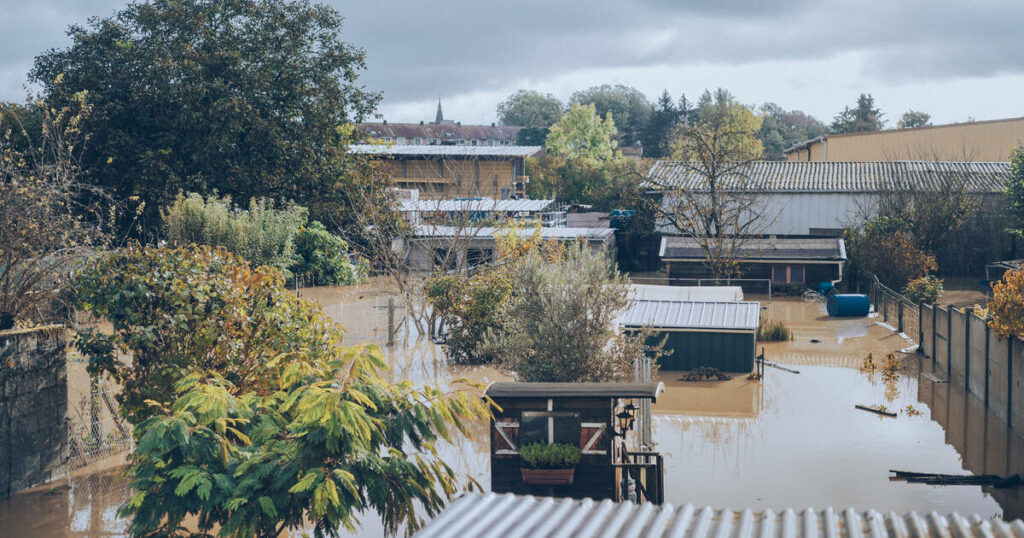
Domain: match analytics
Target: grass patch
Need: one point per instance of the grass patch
(773, 331)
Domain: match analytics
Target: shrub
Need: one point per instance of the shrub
(549, 456)
(1006, 310)
(886, 248)
(263, 234)
(773, 331)
(470, 306)
(926, 289)
(249, 415)
(323, 258)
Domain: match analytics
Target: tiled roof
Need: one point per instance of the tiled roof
(444, 151)
(491, 515)
(485, 204)
(716, 315)
(593, 234)
(688, 248)
(443, 131)
(784, 176)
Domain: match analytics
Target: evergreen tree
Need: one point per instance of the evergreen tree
(864, 117)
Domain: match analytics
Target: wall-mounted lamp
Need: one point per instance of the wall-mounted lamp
(625, 419)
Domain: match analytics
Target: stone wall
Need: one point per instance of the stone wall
(33, 406)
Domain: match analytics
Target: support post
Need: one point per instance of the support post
(988, 337)
(1009, 380)
(949, 343)
(935, 311)
(920, 328)
(899, 315)
(967, 350)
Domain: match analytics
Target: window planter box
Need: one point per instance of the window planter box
(548, 477)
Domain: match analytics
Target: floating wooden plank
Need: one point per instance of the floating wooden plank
(933, 377)
(875, 410)
(935, 479)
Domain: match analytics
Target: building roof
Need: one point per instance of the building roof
(488, 232)
(441, 130)
(758, 249)
(493, 515)
(478, 204)
(444, 151)
(574, 390)
(785, 176)
(805, 143)
(696, 315)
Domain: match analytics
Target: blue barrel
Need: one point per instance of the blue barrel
(847, 305)
(826, 288)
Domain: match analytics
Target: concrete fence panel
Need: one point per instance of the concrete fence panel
(926, 327)
(941, 340)
(957, 352)
(998, 372)
(977, 367)
(1017, 386)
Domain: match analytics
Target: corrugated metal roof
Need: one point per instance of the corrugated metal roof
(712, 315)
(492, 515)
(574, 390)
(652, 292)
(485, 204)
(488, 232)
(798, 248)
(444, 151)
(784, 176)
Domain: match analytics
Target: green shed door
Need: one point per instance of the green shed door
(729, 352)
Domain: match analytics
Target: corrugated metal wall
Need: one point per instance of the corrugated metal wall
(729, 352)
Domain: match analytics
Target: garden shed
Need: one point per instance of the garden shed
(717, 334)
(596, 417)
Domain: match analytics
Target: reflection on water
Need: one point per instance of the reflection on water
(793, 440)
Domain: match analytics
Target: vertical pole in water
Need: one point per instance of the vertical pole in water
(391, 321)
(967, 350)
(949, 342)
(899, 315)
(920, 327)
(935, 311)
(987, 338)
(1009, 380)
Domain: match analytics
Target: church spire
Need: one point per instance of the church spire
(440, 117)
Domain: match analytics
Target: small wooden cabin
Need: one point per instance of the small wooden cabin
(576, 413)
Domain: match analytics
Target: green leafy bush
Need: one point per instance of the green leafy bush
(249, 415)
(549, 456)
(772, 331)
(323, 258)
(926, 289)
(263, 234)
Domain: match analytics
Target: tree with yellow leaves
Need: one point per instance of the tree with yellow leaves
(1006, 309)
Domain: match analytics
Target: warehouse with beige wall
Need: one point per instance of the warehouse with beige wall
(977, 141)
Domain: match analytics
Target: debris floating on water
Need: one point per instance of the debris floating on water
(877, 410)
(934, 479)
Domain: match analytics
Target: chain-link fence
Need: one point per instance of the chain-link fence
(96, 431)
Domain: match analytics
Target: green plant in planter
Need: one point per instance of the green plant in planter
(553, 456)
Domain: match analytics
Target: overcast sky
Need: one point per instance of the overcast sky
(953, 59)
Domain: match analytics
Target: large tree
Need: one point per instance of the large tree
(529, 108)
(781, 128)
(581, 135)
(713, 202)
(629, 106)
(663, 120)
(243, 97)
(914, 118)
(863, 117)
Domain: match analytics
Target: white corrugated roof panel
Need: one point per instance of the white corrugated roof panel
(786, 176)
(488, 232)
(444, 151)
(483, 204)
(696, 315)
(650, 292)
(493, 515)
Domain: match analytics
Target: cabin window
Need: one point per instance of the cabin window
(787, 274)
(478, 256)
(549, 427)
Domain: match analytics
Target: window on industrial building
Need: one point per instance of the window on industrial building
(787, 274)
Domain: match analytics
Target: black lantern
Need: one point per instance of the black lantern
(624, 421)
(631, 409)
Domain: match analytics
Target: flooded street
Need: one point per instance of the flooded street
(791, 440)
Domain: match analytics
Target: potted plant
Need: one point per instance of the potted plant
(549, 465)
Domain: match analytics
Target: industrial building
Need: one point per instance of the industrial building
(975, 141)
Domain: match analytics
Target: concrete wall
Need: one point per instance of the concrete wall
(33, 405)
(978, 369)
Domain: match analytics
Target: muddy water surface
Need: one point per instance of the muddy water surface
(792, 440)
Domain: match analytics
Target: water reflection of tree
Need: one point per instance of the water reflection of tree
(888, 371)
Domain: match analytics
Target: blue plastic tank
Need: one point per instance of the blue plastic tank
(826, 288)
(841, 305)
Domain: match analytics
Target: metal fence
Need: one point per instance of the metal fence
(96, 430)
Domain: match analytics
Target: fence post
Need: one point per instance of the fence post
(885, 305)
(935, 310)
(949, 342)
(920, 327)
(987, 338)
(899, 315)
(1009, 380)
(967, 350)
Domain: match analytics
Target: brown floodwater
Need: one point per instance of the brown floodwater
(790, 440)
